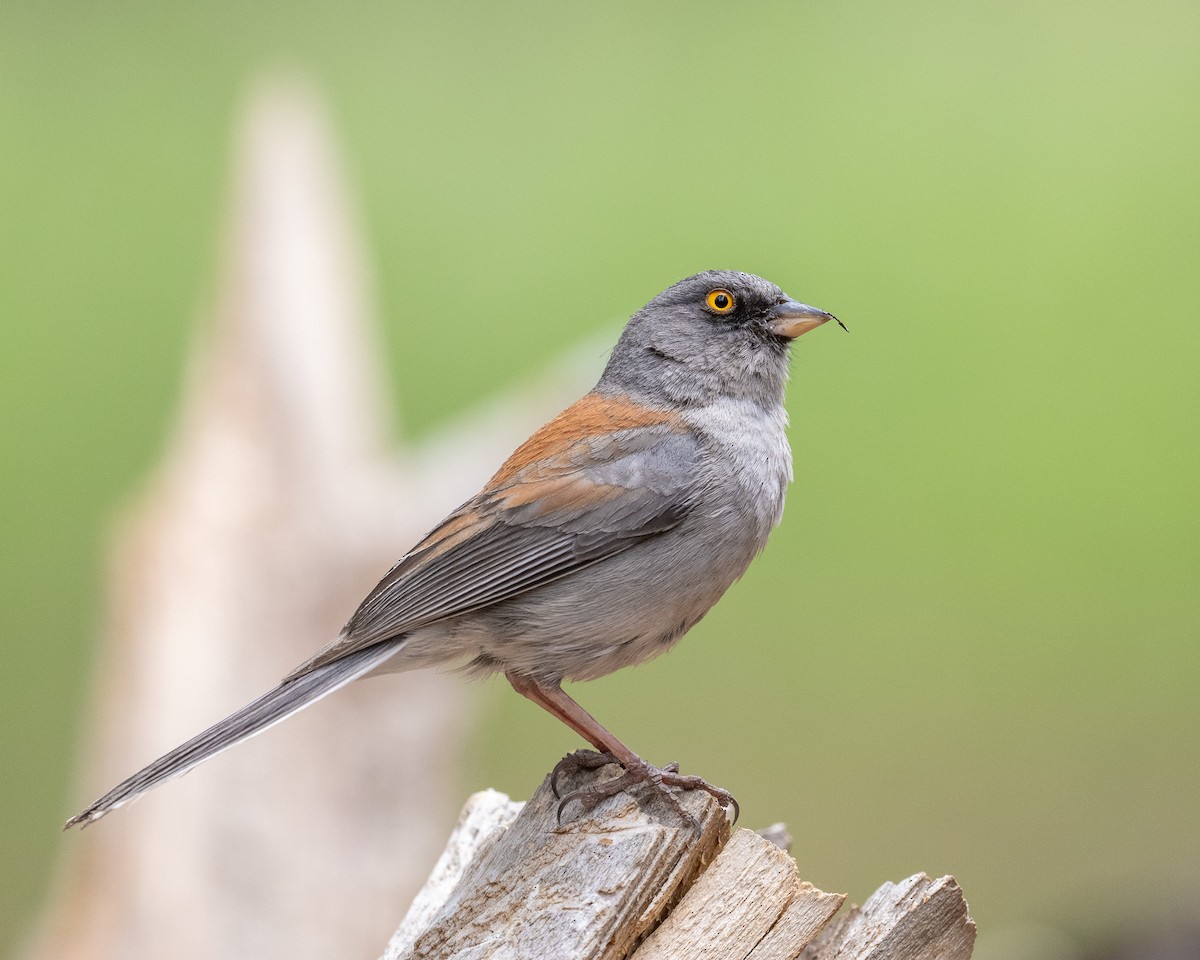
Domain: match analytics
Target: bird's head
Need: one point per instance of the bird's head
(718, 333)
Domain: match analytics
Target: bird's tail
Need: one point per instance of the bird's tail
(288, 698)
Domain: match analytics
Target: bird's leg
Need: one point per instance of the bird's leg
(552, 699)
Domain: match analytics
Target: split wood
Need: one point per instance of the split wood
(627, 881)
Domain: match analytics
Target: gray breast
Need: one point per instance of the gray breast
(750, 459)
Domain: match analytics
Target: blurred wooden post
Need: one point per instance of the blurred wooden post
(279, 503)
(626, 882)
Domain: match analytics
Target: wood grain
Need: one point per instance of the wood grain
(628, 882)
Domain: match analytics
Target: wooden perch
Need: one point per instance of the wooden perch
(629, 881)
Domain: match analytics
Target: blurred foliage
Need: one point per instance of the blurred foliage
(971, 647)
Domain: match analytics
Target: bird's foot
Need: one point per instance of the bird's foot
(637, 770)
(579, 760)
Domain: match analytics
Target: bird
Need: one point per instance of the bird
(597, 544)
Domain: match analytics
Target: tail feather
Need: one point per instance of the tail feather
(289, 697)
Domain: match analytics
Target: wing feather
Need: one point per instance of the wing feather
(555, 516)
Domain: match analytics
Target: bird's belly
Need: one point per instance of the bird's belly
(617, 613)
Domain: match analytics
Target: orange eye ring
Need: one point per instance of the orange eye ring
(720, 301)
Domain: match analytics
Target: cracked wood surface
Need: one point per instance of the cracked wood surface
(628, 881)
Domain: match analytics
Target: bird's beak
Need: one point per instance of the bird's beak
(790, 319)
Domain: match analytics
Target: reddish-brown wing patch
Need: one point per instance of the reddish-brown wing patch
(592, 415)
(556, 494)
(459, 527)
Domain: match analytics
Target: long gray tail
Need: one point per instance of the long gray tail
(279, 704)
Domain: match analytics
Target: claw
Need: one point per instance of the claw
(579, 760)
(660, 779)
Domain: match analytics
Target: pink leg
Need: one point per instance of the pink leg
(552, 699)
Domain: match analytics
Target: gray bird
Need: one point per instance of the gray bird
(598, 543)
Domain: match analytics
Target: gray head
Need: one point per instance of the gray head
(716, 334)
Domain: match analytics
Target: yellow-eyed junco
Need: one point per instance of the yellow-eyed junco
(598, 543)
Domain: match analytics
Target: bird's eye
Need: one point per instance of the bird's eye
(720, 301)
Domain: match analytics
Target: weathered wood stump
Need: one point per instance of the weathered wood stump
(629, 880)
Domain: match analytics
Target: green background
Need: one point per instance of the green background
(971, 647)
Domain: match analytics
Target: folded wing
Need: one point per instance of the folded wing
(536, 521)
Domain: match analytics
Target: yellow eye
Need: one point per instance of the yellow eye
(720, 301)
